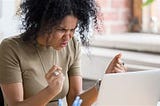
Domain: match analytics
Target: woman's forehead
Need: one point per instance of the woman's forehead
(68, 21)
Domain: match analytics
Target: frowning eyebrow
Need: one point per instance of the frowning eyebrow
(60, 27)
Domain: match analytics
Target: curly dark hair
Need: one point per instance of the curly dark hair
(38, 13)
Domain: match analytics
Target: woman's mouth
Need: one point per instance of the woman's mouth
(64, 44)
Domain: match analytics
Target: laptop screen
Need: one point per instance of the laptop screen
(141, 88)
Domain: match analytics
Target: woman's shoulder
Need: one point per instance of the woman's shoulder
(12, 43)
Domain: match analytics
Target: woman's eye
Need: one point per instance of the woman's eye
(72, 30)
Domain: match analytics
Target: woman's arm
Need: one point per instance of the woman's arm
(75, 88)
(13, 93)
(115, 66)
(88, 96)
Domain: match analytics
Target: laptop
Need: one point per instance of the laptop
(140, 88)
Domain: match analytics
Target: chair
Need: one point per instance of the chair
(1, 98)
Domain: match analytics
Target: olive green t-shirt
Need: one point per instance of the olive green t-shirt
(28, 62)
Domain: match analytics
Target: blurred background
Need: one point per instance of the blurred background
(130, 27)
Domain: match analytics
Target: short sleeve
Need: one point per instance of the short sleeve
(75, 70)
(9, 62)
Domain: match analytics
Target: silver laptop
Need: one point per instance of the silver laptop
(141, 88)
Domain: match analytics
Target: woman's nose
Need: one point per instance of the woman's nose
(67, 35)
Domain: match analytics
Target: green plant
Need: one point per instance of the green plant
(147, 2)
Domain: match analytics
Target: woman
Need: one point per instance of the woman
(42, 65)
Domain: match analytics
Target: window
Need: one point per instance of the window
(122, 18)
(146, 18)
(130, 16)
(151, 17)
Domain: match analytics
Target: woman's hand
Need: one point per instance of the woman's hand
(55, 79)
(116, 65)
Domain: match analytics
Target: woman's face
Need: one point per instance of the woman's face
(62, 33)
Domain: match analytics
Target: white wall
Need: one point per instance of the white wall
(8, 20)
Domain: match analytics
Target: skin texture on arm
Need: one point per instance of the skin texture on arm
(88, 97)
(13, 93)
(75, 88)
(14, 96)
